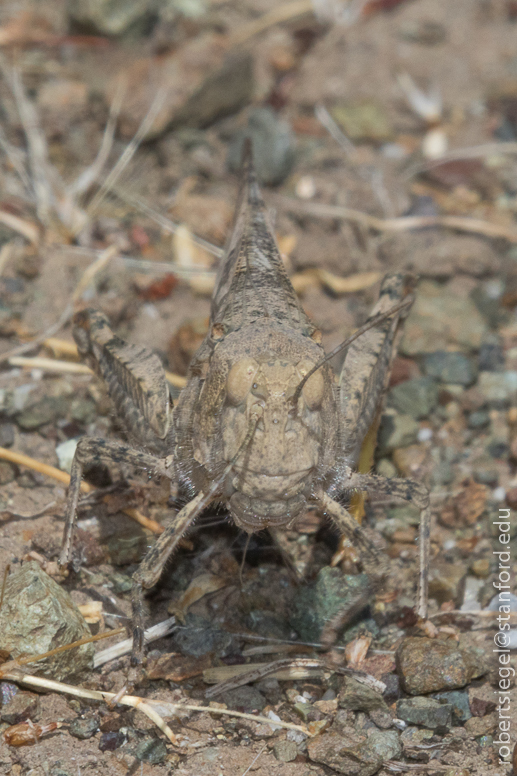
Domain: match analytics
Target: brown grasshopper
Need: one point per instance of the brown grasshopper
(263, 424)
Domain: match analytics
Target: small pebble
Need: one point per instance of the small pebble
(84, 728)
(428, 712)
(285, 751)
(430, 665)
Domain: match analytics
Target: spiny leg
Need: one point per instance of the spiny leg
(416, 493)
(90, 451)
(151, 568)
(374, 562)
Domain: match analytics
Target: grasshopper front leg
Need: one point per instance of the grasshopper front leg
(92, 451)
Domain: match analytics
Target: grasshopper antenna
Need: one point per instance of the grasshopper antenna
(407, 302)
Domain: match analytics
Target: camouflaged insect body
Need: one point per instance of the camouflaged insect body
(262, 425)
(259, 346)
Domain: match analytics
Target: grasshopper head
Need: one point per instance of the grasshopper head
(272, 475)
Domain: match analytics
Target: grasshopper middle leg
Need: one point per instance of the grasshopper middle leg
(91, 451)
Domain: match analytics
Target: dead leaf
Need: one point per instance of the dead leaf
(199, 587)
(355, 651)
(302, 281)
(91, 611)
(175, 668)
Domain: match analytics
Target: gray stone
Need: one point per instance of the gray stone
(7, 472)
(449, 367)
(459, 700)
(428, 712)
(245, 699)
(358, 697)
(46, 410)
(84, 728)
(430, 665)
(491, 357)
(396, 431)
(478, 419)
(151, 750)
(417, 397)
(315, 604)
(352, 753)
(268, 624)
(6, 434)
(273, 150)
(285, 751)
(440, 318)
(38, 615)
(498, 388)
(199, 637)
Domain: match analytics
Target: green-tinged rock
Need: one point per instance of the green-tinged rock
(317, 603)
(363, 120)
(447, 582)
(273, 149)
(417, 397)
(478, 419)
(37, 616)
(151, 750)
(459, 700)
(355, 754)
(111, 17)
(84, 728)
(413, 737)
(430, 665)
(358, 697)
(396, 431)
(455, 368)
(46, 410)
(440, 318)
(428, 712)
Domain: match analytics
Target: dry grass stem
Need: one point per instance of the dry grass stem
(154, 709)
(26, 228)
(50, 365)
(157, 631)
(128, 152)
(70, 367)
(92, 173)
(401, 224)
(50, 471)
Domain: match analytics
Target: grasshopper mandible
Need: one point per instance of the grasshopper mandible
(263, 424)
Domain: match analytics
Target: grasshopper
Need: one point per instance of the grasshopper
(263, 424)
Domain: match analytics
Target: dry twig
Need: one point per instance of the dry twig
(400, 224)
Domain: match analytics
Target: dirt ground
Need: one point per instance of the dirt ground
(372, 134)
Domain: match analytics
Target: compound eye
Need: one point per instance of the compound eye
(314, 388)
(240, 379)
